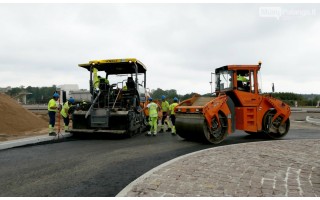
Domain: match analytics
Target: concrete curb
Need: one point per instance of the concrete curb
(313, 121)
(31, 140)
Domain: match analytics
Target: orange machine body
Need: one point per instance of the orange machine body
(242, 108)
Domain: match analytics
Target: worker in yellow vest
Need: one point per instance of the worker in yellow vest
(242, 78)
(52, 109)
(65, 113)
(173, 115)
(97, 80)
(165, 110)
(153, 116)
(243, 83)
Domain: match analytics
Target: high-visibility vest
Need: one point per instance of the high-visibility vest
(95, 78)
(153, 109)
(165, 106)
(65, 106)
(242, 78)
(52, 103)
(172, 106)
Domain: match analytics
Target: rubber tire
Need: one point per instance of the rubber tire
(274, 135)
(223, 136)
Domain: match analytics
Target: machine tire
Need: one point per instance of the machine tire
(281, 130)
(221, 132)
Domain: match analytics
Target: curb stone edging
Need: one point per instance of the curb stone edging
(313, 121)
(32, 140)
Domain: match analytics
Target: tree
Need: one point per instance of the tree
(38, 94)
(14, 91)
(170, 94)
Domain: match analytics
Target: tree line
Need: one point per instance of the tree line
(302, 99)
(40, 95)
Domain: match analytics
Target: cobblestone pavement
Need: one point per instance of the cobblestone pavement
(275, 168)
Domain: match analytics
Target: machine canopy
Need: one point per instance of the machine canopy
(116, 66)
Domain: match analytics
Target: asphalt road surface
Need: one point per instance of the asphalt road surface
(99, 166)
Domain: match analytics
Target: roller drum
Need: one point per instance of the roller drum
(190, 126)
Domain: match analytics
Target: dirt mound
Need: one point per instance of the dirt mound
(16, 120)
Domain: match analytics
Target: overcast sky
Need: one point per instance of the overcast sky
(180, 44)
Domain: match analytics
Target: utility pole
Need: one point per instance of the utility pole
(272, 87)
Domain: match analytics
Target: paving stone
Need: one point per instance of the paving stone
(283, 167)
(293, 194)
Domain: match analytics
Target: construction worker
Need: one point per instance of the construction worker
(98, 79)
(242, 82)
(153, 116)
(173, 115)
(125, 88)
(95, 80)
(165, 109)
(65, 113)
(52, 109)
(242, 78)
(103, 80)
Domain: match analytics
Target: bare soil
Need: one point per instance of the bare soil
(17, 122)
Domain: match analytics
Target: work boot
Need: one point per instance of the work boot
(52, 134)
(154, 134)
(66, 128)
(173, 130)
(50, 129)
(148, 133)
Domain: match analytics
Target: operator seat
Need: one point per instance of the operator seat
(103, 84)
(130, 83)
(104, 88)
(128, 96)
(240, 85)
(243, 87)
